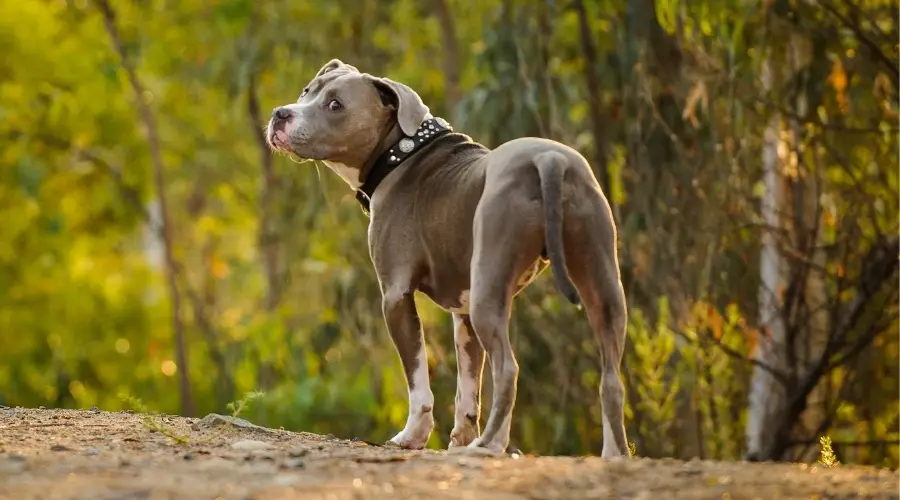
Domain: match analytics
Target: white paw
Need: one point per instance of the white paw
(463, 435)
(416, 433)
(480, 447)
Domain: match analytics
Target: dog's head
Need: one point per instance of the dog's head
(342, 116)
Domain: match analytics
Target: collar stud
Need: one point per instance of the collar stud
(428, 131)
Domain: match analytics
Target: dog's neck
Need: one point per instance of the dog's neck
(394, 155)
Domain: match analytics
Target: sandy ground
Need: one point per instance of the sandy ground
(50, 454)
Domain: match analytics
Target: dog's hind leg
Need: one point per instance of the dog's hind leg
(591, 256)
(470, 365)
(508, 237)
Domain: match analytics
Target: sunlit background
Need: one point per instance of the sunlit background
(749, 149)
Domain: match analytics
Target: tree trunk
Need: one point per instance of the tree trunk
(549, 124)
(766, 392)
(151, 131)
(795, 333)
(808, 240)
(595, 103)
(451, 56)
(268, 232)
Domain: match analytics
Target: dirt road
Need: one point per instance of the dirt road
(65, 454)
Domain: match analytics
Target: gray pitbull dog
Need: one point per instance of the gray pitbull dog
(470, 228)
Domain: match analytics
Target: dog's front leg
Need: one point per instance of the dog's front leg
(469, 367)
(406, 331)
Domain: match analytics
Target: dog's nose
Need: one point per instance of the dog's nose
(282, 113)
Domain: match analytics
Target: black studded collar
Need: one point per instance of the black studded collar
(428, 131)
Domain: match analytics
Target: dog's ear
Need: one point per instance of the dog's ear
(411, 111)
(335, 64)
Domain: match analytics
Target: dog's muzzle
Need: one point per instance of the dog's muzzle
(278, 136)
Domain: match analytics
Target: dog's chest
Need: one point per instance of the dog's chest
(449, 298)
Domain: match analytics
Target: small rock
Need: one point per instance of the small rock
(286, 479)
(12, 465)
(251, 445)
(42, 407)
(220, 465)
(298, 453)
(92, 451)
(189, 455)
(94, 409)
(293, 464)
(381, 459)
(215, 420)
(59, 447)
(15, 457)
(360, 442)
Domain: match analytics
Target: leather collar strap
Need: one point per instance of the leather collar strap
(428, 131)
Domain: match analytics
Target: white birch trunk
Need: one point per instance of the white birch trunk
(766, 392)
(781, 166)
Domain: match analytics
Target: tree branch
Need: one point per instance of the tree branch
(877, 442)
(881, 266)
(589, 52)
(152, 136)
(451, 55)
(777, 375)
(876, 52)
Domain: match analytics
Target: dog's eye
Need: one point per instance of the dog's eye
(334, 105)
(304, 92)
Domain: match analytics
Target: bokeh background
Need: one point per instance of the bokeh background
(152, 247)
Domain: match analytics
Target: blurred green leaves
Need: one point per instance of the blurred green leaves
(84, 315)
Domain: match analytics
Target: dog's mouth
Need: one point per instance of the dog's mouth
(278, 138)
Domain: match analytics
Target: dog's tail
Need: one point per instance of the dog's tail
(551, 166)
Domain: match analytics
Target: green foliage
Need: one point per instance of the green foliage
(655, 391)
(827, 458)
(278, 291)
(153, 421)
(238, 407)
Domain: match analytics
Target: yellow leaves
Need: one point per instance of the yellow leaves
(883, 90)
(838, 80)
(218, 267)
(76, 388)
(229, 319)
(168, 368)
(705, 315)
(578, 112)
(828, 219)
(697, 95)
(715, 321)
(122, 345)
(615, 168)
(207, 224)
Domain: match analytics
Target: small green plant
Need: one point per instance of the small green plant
(827, 457)
(237, 407)
(632, 449)
(152, 420)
